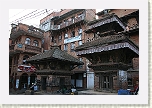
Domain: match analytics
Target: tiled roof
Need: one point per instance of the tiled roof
(56, 53)
(109, 18)
(104, 40)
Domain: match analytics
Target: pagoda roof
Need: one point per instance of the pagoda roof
(109, 18)
(107, 43)
(55, 53)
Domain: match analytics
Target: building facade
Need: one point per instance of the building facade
(65, 29)
(24, 42)
(113, 49)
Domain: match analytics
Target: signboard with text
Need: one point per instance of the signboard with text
(72, 39)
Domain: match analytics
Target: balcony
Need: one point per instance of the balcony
(33, 48)
(31, 31)
(55, 27)
(19, 47)
(68, 23)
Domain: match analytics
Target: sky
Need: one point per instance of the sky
(25, 17)
(19, 14)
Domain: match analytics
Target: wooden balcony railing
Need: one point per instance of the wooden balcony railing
(33, 48)
(68, 23)
(25, 48)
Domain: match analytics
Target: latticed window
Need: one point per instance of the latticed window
(35, 43)
(27, 41)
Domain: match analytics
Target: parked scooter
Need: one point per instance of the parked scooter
(74, 91)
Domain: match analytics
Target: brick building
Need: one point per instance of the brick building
(113, 49)
(108, 47)
(24, 42)
(65, 29)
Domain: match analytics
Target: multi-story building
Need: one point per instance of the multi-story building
(24, 42)
(65, 29)
(112, 47)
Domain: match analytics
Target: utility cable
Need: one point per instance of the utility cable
(17, 14)
(26, 17)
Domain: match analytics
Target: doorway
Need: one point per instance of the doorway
(62, 82)
(24, 81)
(106, 84)
(32, 78)
(43, 83)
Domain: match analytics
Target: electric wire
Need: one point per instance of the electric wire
(17, 14)
(31, 15)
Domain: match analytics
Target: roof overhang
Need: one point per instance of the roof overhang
(54, 54)
(53, 72)
(20, 32)
(109, 47)
(109, 19)
(103, 67)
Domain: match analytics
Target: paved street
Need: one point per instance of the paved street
(92, 92)
(80, 92)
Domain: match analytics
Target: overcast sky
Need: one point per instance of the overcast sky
(15, 14)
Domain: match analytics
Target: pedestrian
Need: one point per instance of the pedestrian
(136, 88)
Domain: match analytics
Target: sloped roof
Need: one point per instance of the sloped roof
(103, 40)
(107, 43)
(55, 53)
(109, 18)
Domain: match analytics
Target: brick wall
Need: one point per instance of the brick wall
(53, 14)
(47, 40)
(65, 11)
(135, 63)
(90, 14)
(121, 12)
(96, 82)
(132, 22)
(135, 39)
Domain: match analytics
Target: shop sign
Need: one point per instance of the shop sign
(26, 68)
(72, 39)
